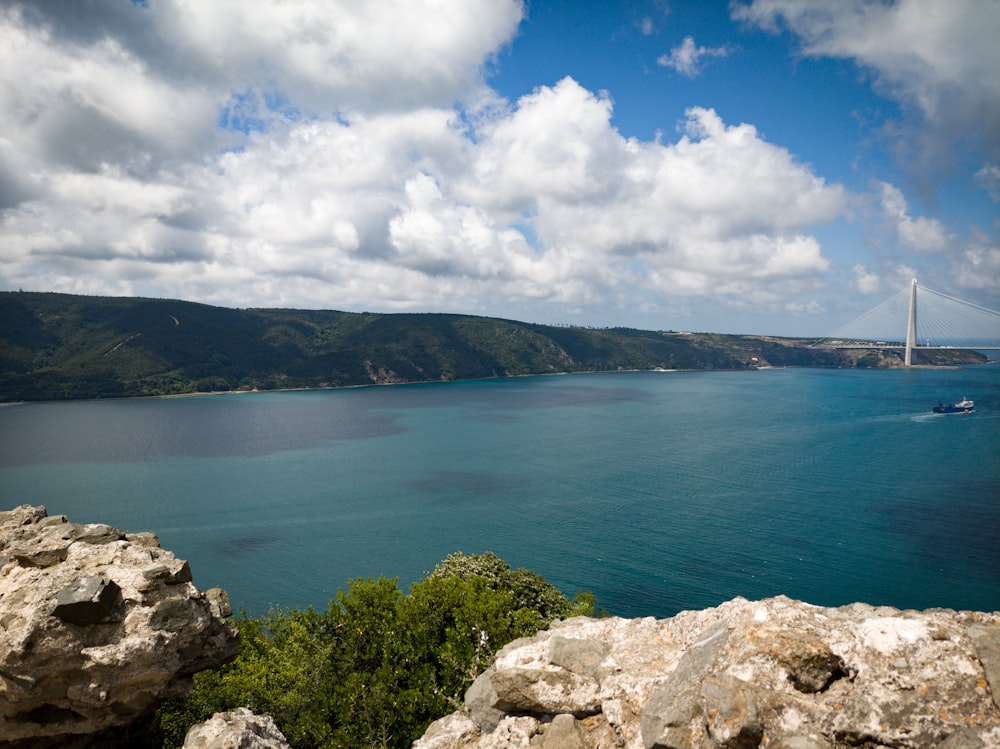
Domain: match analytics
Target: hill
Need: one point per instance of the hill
(60, 346)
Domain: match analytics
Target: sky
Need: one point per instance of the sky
(769, 167)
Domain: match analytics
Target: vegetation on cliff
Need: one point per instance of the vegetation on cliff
(378, 665)
(56, 346)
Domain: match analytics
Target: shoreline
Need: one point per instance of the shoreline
(658, 370)
(255, 391)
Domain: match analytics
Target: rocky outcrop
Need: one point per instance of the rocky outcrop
(237, 729)
(96, 628)
(774, 674)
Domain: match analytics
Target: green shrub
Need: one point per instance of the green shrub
(378, 665)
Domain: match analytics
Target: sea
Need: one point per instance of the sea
(656, 491)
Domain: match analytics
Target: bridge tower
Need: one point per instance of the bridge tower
(911, 325)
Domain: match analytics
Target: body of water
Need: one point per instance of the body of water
(658, 491)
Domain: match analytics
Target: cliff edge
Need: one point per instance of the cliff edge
(774, 674)
(96, 627)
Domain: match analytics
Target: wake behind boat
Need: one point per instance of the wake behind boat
(964, 406)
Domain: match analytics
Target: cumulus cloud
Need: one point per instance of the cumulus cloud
(920, 234)
(137, 86)
(865, 281)
(719, 204)
(988, 178)
(111, 140)
(686, 58)
(311, 154)
(939, 60)
(978, 265)
(324, 55)
(82, 105)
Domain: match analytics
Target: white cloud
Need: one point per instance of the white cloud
(812, 307)
(345, 55)
(988, 178)
(936, 58)
(865, 281)
(920, 234)
(557, 145)
(383, 210)
(978, 265)
(720, 203)
(86, 105)
(362, 186)
(139, 87)
(686, 58)
(436, 237)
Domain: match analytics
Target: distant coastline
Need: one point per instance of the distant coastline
(70, 347)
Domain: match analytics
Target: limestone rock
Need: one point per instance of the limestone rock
(452, 731)
(480, 701)
(96, 628)
(986, 640)
(545, 692)
(237, 729)
(88, 600)
(771, 674)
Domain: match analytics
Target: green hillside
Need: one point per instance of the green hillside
(57, 346)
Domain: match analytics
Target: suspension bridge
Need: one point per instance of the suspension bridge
(938, 321)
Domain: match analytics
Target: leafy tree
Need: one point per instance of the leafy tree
(377, 690)
(280, 672)
(378, 665)
(461, 622)
(529, 589)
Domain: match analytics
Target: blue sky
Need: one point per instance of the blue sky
(775, 166)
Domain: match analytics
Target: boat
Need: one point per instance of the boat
(964, 406)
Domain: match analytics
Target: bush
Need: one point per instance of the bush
(377, 666)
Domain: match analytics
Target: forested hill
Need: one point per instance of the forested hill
(56, 346)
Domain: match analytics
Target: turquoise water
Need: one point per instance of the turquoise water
(658, 491)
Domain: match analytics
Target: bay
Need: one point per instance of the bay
(657, 491)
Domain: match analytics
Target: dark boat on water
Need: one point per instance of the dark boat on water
(964, 406)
